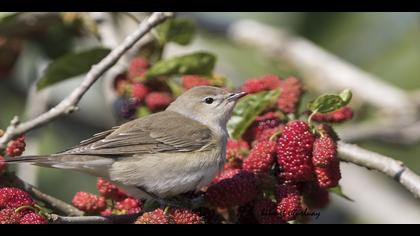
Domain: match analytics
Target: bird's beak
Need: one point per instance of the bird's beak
(236, 96)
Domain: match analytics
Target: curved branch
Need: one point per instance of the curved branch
(114, 219)
(390, 131)
(69, 104)
(371, 160)
(110, 38)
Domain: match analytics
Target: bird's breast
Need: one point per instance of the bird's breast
(215, 162)
(169, 174)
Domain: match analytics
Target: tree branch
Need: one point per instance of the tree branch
(110, 38)
(386, 165)
(114, 219)
(69, 104)
(389, 131)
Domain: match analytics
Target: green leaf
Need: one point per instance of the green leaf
(175, 88)
(346, 96)
(5, 15)
(71, 65)
(143, 111)
(177, 30)
(10, 25)
(326, 103)
(152, 50)
(337, 190)
(200, 63)
(330, 102)
(247, 109)
(217, 80)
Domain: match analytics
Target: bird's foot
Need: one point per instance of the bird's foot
(182, 202)
(169, 202)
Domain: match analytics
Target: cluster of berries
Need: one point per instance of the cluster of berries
(111, 201)
(17, 207)
(280, 166)
(14, 148)
(134, 92)
(150, 95)
(171, 216)
(279, 176)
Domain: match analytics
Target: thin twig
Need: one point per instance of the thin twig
(69, 104)
(114, 219)
(110, 38)
(386, 165)
(9, 179)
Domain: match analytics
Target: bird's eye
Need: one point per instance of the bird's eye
(209, 100)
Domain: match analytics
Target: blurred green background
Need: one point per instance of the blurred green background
(384, 44)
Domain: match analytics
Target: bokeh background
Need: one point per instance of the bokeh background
(384, 44)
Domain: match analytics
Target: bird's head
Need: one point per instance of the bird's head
(211, 106)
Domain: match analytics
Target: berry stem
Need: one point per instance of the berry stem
(275, 135)
(310, 116)
(26, 207)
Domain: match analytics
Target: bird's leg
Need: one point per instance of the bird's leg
(164, 202)
(181, 201)
(198, 202)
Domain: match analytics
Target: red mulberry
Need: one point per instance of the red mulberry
(190, 81)
(139, 91)
(13, 198)
(329, 176)
(324, 151)
(294, 152)
(156, 101)
(16, 147)
(109, 190)
(291, 91)
(89, 202)
(157, 216)
(137, 68)
(185, 216)
(33, 218)
(261, 157)
(236, 190)
(288, 202)
(338, 116)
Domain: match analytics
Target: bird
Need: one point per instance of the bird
(159, 156)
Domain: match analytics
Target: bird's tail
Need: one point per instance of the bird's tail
(50, 161)
(27, 159)
(90, 164)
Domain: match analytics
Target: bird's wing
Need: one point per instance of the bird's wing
(166, 131)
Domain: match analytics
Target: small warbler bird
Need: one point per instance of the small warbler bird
(161, 155)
